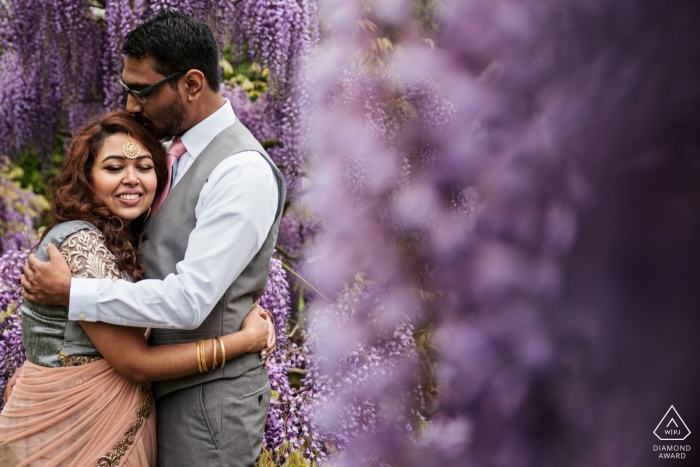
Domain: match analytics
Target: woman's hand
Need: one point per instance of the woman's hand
(271, 338)
(255, 327)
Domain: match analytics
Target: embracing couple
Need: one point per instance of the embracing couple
(175, 239)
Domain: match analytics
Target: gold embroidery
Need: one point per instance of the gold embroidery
(72, 360)
(145, 407)
(87, 256)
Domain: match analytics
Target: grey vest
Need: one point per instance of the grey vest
(165, 241)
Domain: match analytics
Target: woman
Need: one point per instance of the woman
(82, 397)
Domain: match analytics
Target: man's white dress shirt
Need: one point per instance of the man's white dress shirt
(235, 212)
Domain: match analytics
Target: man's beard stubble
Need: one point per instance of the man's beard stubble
(167, 121)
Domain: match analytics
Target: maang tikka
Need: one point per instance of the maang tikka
(130, 149)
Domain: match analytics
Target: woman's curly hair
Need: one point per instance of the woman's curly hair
(74, 198)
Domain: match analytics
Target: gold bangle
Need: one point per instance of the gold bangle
(199, 358)
(213, 346)
(203, 355)
(204, 358)
(223, 352)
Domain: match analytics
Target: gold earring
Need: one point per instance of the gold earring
(130, 149)
(148, 214)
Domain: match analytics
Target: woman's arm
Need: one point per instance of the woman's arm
(128, 352)
(126, 348)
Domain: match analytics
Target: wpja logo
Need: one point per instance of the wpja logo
(672, 428)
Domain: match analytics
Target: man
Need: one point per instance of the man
(207, 247)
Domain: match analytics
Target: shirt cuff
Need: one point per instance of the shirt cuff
(82, 304)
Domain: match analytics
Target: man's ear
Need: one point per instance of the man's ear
(195, 82)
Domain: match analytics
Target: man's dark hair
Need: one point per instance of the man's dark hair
(176, 42)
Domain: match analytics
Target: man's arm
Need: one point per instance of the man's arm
(235, 212)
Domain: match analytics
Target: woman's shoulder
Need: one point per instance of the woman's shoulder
(60, 232)
(83, 247)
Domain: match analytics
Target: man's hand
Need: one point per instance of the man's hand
(11, 385)
(47, 283)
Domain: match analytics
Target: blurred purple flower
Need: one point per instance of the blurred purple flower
(529, 181)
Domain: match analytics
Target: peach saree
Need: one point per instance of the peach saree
(77, 416)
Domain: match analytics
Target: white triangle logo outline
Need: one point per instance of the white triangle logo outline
(661, 421)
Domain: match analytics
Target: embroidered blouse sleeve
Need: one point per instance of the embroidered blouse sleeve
(88, 257)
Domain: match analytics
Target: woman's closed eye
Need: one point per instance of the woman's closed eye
(118, 168)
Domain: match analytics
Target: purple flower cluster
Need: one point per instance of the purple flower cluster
(51, 75)
(19, 211)
(297, 229)
(11, 349)
(22, 111)
(121, 18)
(349, 379)
(287, 426)
(276, 300)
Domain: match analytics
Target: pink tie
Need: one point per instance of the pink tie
(176, 150)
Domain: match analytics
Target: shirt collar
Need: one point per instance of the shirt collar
(199, 136)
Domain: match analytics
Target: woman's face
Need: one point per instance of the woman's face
(126, 186)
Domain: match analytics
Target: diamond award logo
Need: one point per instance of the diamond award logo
(672, 427)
